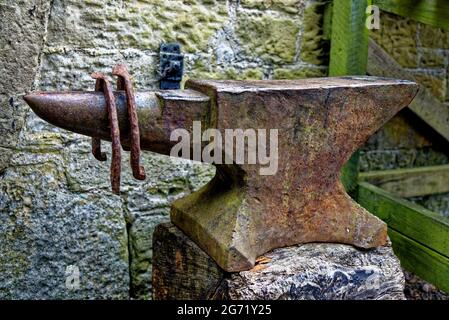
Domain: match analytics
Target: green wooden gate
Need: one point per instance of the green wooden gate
(420, 237)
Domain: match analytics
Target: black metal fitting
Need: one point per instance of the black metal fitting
(171, 66)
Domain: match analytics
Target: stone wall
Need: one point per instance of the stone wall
(57, 214)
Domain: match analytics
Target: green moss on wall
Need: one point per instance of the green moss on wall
(433, 37)
(313, 46)
(298, 73)
(434, 80)
(272, 39)
(397, 36)
(288, 6)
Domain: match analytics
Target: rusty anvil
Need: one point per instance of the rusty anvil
(241, 214)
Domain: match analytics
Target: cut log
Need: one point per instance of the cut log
(181, 270)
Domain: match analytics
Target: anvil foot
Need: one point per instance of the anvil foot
(215, 218)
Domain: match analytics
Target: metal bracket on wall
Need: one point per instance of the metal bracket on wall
(171, 66)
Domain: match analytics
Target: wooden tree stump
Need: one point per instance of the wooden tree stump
(181, 270)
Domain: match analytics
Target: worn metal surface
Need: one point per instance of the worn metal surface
(240, 214)
(159, 113)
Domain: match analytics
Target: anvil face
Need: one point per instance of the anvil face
(241, 214)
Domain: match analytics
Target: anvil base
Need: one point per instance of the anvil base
(220, 219)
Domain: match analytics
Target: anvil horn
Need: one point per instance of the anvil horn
(240, 214)
(158, 112)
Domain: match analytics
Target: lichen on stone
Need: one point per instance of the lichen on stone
(299, 73)
(397, 36)
(313, 45)
(272, 39)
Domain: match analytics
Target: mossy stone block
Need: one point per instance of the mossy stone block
(313, 45)
(272, 39)
(299, 73)
(396, 36)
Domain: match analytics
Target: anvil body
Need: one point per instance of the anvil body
(241, 214)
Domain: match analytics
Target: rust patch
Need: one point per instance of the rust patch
(124, 83)
(179, 261)
(262, 260)
(115, 131)
(258, 267)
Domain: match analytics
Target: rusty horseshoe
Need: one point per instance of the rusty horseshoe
(124, 83)
(114, 129)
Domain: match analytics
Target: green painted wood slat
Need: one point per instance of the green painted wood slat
(410, 182)
(422, 225)
(420, 260)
